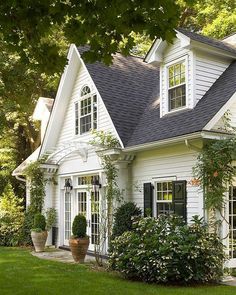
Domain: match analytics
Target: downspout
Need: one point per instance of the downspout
(196, 149)
(191, 146)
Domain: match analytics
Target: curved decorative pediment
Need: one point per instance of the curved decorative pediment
(63, 151)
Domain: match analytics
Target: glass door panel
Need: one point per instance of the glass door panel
(67, 217)
(82, 203)
(95, 218)
(232, 222)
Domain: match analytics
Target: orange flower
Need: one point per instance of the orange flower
(215, 174)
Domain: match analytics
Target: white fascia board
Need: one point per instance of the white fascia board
(164, 142)
(155, 54)
(215, 135)
(60, 103)
(95, 87)
(178, 139)
(220, 113)
(212, 50)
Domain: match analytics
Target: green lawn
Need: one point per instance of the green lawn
(21, 273)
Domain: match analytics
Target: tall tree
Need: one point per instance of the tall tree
(106, 25)
(213, 18)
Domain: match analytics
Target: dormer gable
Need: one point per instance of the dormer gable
(188, 68)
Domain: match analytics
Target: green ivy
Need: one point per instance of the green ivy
(35, 174)
(105, 140)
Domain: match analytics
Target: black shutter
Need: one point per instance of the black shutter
(147, 198)
(180, 198)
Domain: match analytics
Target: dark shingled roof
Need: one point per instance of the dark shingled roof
(153, 128)
(209, 41)
(125, 87)
(130, 91)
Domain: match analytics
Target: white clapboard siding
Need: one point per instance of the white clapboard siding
(208, 70)
(155, 165)
(55, 199)
(174, 52)
(68, 129)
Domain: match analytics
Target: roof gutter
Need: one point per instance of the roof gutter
(160, 143)
(205, 134)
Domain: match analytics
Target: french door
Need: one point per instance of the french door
(87, 203)
(232, 226)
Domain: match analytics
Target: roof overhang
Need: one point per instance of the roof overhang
(155, 54)
(20, 169)
(204, 134)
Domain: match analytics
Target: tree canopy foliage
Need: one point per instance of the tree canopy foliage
(106, 25)
(34, 39)
(213, 18)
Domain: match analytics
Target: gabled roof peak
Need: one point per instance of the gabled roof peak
(188, 40)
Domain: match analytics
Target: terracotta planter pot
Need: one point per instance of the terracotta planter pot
(79, 248)
(39, 240)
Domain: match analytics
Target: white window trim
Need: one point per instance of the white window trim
(78, 101)
(155, 201)
(166, 77)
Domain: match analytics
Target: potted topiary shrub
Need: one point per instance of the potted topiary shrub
(38, 233)
(79, 242)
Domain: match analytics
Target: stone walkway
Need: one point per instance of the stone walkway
(60, 255)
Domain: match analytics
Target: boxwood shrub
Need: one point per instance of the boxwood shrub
(123, 218)
(166, 250)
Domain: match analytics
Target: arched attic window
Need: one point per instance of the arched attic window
(86, 111)
(85, 90)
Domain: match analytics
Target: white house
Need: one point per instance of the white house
(161, 110)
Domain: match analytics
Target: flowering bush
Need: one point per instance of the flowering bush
(167, 250)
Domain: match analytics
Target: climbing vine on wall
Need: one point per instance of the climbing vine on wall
(37, 186)
(215, 171)
(106, 141)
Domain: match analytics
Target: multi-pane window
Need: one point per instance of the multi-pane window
(82, 203)
(95, 215)
(86, 112)
(164, 197)
(176, 86)
(67, 229)
(87, 179)
(232, 222)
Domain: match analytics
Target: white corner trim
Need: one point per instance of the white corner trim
(220, 113)
(192, 73)
(99, 96)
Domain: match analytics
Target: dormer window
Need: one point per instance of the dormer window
(86, 112)
(176, 86)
